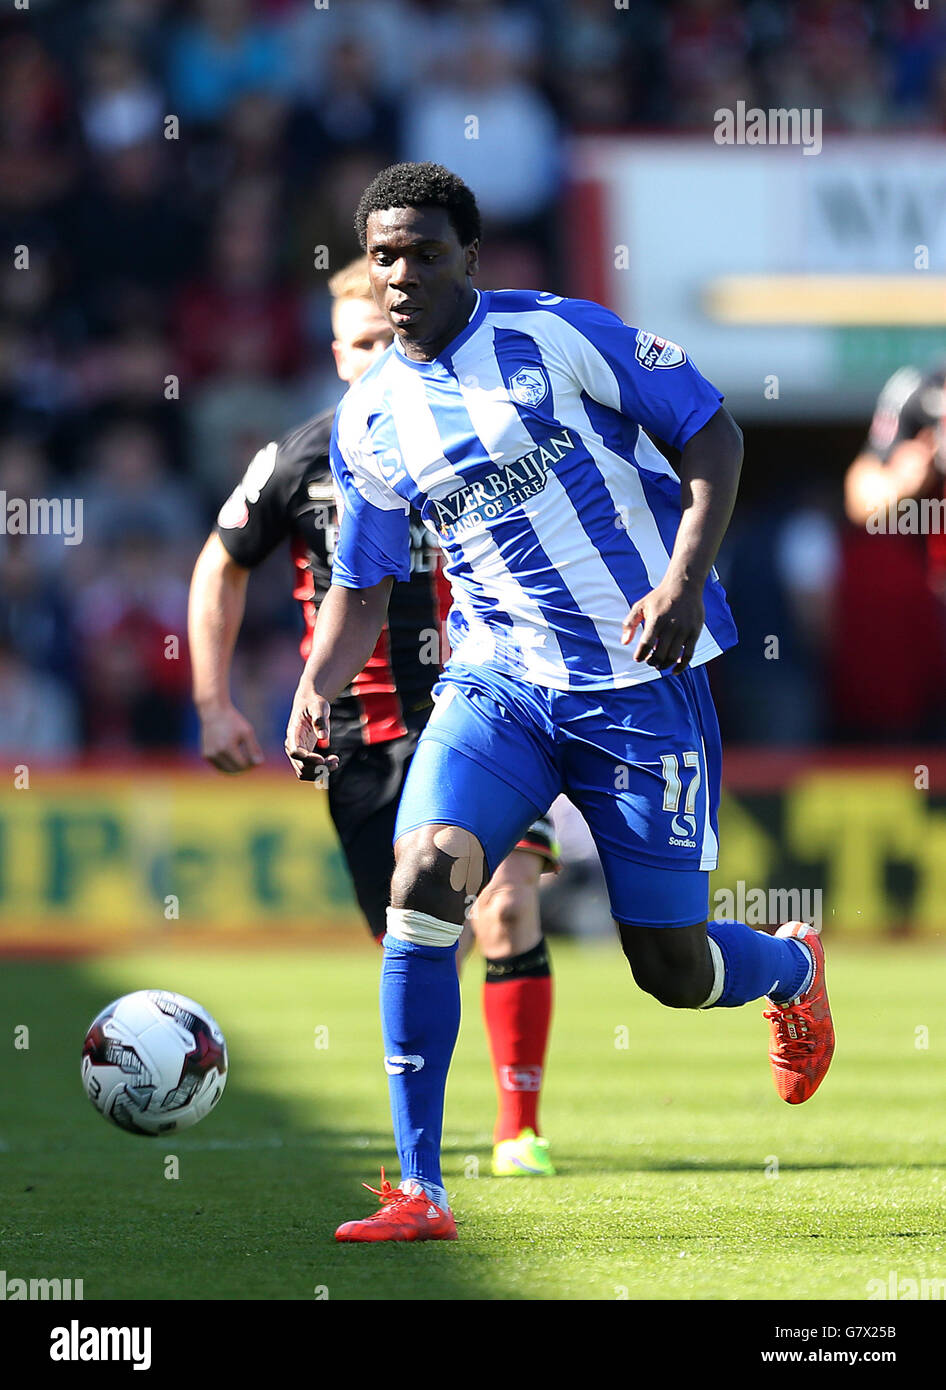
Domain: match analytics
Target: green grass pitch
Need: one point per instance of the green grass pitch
(681, 1174)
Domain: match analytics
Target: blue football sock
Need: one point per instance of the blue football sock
(420, 1019)
(756, 964)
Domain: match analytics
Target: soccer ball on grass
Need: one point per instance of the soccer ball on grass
(154, 1062)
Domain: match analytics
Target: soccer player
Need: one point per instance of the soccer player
(904, 455)
(893, 569)
(515, 421)
(287, 492)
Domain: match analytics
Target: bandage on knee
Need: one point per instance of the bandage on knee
(420, 928)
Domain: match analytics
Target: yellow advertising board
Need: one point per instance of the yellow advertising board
(90, 858)
(94, 858)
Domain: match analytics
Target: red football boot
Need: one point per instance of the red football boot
(402, 1216)
(801, 1041)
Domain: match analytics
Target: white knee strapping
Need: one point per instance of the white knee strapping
(420, 928)
(719, 973)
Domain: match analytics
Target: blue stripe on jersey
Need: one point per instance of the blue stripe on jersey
(595, 508)
(621, 436)
(654, 398)
(516, 539)
(662, 495)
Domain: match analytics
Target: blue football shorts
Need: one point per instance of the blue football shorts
(642, 765)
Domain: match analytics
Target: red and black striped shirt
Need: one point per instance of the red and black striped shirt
(287, 492)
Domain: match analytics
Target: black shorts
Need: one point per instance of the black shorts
(363, 796)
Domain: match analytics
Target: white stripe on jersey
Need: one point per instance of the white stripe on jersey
(418, 436)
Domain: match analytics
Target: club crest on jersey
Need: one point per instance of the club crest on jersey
(529, 386)
(654, 352)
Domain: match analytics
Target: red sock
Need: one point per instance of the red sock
(517, 1009)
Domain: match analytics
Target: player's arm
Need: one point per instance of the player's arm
(373, 550)
(215, 613)
(898, 459)
(671, 615)
(871, 484)
(346, 633)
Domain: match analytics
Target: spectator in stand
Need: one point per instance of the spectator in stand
(36, 375)
(515, 179)
(35, 608)
(35, 612)
(38, 155)
(130, 239)
(131, 373)
(23, 691)
(219, 55)
(454, 27)
(133, 667)
(252, 137)
(121, 105)
(707, 41)
(386, 27)
(240, 310)
(915, 42)
(598, 65)
(353, 112)
(128, 488)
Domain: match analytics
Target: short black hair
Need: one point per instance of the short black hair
(420, 186)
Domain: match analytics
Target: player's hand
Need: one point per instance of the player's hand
(228, 741)
(914, 465)
(308, 727)
(671, 617)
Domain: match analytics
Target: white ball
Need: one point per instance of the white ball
(154, 1062)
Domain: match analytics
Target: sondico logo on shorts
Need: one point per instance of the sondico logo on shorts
(682, 834)
(396, 1066)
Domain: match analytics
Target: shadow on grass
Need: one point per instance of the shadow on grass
(259, 1189)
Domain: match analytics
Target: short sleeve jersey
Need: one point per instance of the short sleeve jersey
(523, 446)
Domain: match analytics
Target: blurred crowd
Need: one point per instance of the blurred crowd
(177, 182)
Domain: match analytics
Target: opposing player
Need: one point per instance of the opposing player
(514, 421)
(904, 456)
(287, 493)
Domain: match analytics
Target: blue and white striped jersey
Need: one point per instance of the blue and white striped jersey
(522, 446)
